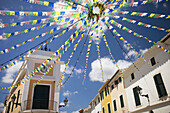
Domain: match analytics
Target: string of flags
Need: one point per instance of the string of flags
(36, 37)
(121, 38)
(98, 48)
(118, 4)
(57, 52)
(24, 13)
(67, 44)
(4, 36)
(104, 39)
(76, 10)
(44, 20)
(88, 52)
(141, 14)
(135, 34)
(137, 22)
(83, 28)
(55, 5)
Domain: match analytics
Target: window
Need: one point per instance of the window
(17, 98)
(136, 96)
(112, 86)
(116, 82)
(101, 95)
(41, 97)
(106, 90)
(95, 103)
(120, 79)
(109, 110)
(132, 76)
(9, 106)
(13, 105)
(98, 100)
(160, 85)
(153, 61)
(103, 110)
(114, 104)
(121, 101)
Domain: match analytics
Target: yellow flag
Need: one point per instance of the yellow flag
(46, 3)
(12, 13)
(35, 13)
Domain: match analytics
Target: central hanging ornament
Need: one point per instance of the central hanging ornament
(96, 11)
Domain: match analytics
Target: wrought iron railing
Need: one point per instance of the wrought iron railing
(39, 104)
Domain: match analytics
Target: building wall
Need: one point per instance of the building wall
(105, 101)
(15, 109)
(115, 95)
(144, 79)
(31, 90)
(95, 108)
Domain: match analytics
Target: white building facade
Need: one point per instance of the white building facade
(95, 104)
(147, 83)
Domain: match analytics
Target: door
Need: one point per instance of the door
(41, 97)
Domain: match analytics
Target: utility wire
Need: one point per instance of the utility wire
(78, 57)
(42, 42)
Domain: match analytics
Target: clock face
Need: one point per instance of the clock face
(44, 69)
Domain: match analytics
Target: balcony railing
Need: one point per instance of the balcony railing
(38, 104)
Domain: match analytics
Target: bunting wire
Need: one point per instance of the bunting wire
(104, 39)
(88, 52)
(137, 22)
(141, 14)
(74, 50)
(32, 39)
(137, 35)
(54, 5)
(67, 20)
(77, 58)
(44, 20)
(98, 49)
(122, 39)
(24, 13)
(47, 60)
(121, 46)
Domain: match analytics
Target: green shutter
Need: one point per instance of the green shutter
(136, 96)
(160, 85)
(115, 107)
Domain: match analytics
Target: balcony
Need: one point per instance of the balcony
(39, 106)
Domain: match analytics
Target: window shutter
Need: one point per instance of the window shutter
(160, 85)
(115, 107)
(136, 96)
(17, 98)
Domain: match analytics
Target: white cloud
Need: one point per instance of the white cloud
(69, 69)
(142, 51)
(11, 72)
(109, 68)
(126, 46)
(133, 55)
(68, 93)
(1, 106)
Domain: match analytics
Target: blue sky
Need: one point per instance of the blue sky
(79, 95)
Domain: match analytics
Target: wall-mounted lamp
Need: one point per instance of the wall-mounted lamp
(65, 103)
(139, 90)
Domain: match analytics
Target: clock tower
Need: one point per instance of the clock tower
(39, 94)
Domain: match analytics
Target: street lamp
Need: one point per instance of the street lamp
(65, 103)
